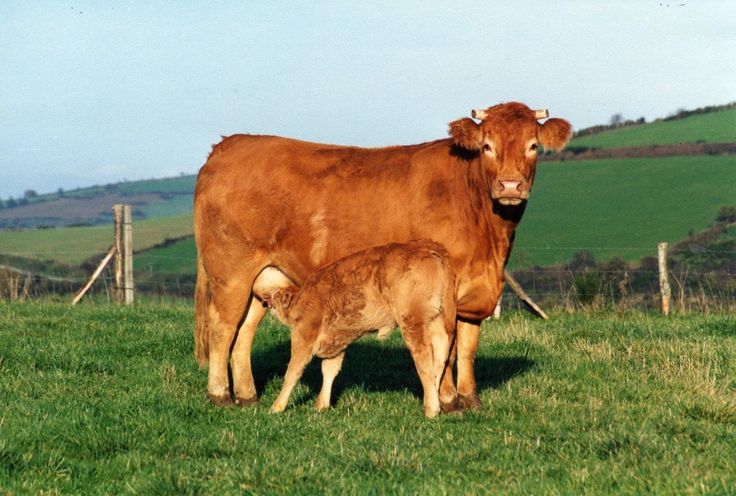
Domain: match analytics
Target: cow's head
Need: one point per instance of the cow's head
(507, 140)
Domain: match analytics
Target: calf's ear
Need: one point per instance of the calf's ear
(554, 134)
(466, 133)
(283, 297)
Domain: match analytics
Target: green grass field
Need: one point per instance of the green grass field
(73, 245)
(104, 400)
(179, 257)
(713, 127)
(620, 207)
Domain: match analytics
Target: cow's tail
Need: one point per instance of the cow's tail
(201, 329)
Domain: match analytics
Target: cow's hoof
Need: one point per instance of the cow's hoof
(452, 406)
(246, 401)
(224, 400)
(469, 402)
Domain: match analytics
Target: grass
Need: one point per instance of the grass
(104, 400)
(179, 257)
(72, 245)
(713, 127)
(620, 207)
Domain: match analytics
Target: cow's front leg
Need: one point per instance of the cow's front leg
(467, 347)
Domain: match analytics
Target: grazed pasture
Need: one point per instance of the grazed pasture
(104, 400)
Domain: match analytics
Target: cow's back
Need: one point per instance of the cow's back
(302, 205)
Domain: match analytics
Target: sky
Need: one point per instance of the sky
(99, 92)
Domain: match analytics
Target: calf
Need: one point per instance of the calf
(411, 284)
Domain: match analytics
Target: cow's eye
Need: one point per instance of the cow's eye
(533, 148)
(487, 148)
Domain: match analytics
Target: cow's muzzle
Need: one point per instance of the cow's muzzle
(510, 191)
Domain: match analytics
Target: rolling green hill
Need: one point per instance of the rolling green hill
(713, 127)
(620, 207)
(73, 245)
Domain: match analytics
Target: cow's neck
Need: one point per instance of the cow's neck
(499, 222)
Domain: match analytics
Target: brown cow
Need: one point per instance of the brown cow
(263, 201)
(412, 285)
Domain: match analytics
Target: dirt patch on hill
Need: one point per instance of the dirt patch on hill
(585, 153)
(70, 210)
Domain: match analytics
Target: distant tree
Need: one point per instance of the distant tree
(617, 119)
(11, 203)
(30, 193)
(2, 204)
(581, 260)
(641, 120)
(60, 192)
(23, 201)
(726, 215)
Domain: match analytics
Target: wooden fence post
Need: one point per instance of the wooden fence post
(516, 287)
(123, 232)
(664, 282)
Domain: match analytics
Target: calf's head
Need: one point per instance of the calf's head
(507, 140)
(281, 300)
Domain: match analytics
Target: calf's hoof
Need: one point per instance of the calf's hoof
(277, 408)
(431, 412)
(321, 406)
(220, 400)
(469, 401)
(451, 406)
(246, 401)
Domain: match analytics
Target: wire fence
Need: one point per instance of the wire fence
(581, 283)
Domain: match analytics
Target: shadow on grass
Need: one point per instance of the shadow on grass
(375, 366)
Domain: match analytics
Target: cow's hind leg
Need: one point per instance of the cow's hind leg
(330, 369)
(225, 311)
(244, 386)
(448, 392)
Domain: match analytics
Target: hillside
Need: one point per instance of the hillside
(620, 207)
(73, 245)
(712, 127)
(93, 206)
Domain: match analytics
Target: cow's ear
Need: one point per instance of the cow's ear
(466, 133)
(554, 134)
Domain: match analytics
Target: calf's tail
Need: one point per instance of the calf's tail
(201, 329)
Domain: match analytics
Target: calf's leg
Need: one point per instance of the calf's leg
(301, 355)
(330, 369)
(421, 351)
